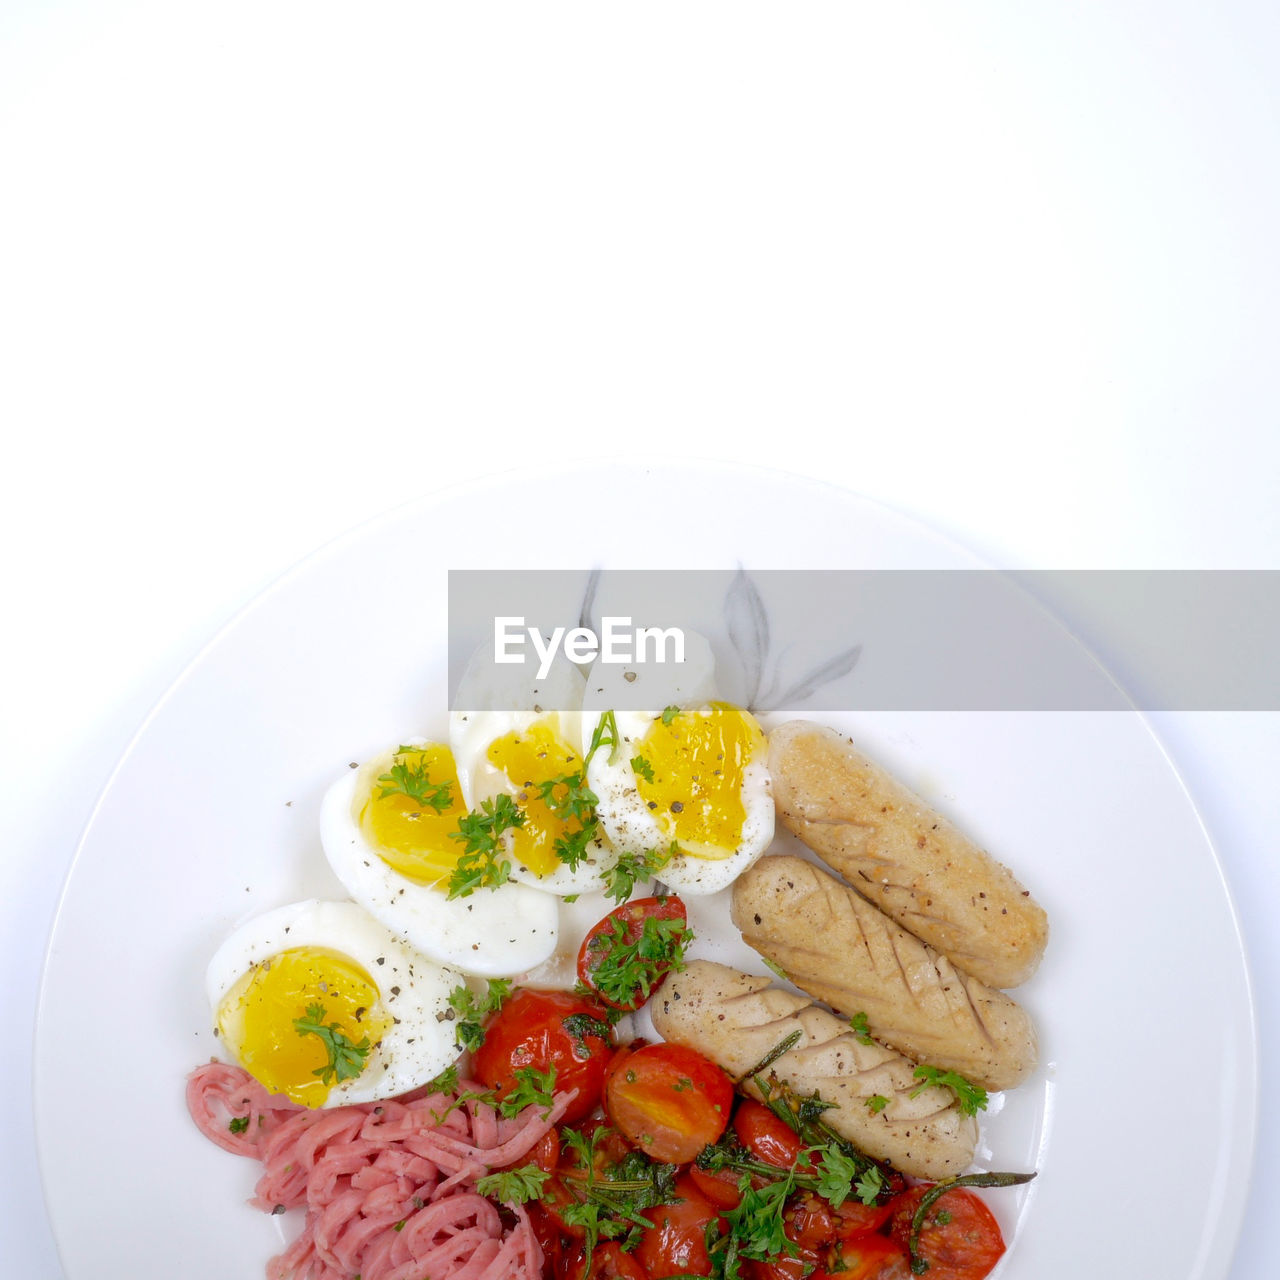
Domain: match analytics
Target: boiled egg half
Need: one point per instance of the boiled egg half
(320, 1003)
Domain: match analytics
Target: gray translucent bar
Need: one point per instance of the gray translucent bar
(967, 640)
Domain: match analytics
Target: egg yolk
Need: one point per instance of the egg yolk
(538, 755)
(697, 761)
(265, 1020)
(410, 811)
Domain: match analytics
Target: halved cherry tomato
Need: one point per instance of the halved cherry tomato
(608, 1262)
(544, 1029)
(871, 1257)
(811, 1221)
(766, 1136)
(803, 1264)
(624, 957)
(546, 1151)
(720, 1186)
(667, 1100)
(960, 1239)
(572, 1176)
(676, 1243)
(546, 1231)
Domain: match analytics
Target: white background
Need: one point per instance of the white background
(269, 269)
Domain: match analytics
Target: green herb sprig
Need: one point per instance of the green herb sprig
(481, 864)
(971, 1098)
(626, 972)
(346, 1057)
(411, 780)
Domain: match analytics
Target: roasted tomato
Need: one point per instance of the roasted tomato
(766, 1136)
(871, 1257)
(720, 1186)
(811, 1221)
(608, 1262)
(676, 1243)
(667, 1100)
(546, 1230)
(545, 1029)
(801, 1265)
(572, 1174)
(960, 1239)
(632, 949)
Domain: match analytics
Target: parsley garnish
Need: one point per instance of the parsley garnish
(412, 781)
(627, 971)
(861, 1028)
(472, 1010)
(446, 1081)
(580, 1026)
(608, 1203)
(239, 1124)
(480, 865)
(620, 879)
(514, 1186)
(532, 1088)
(876, 1103)
(346, 1058)
(669, 714)
(777, 968)
(642, 768)
(571, 800)
(971, 1098)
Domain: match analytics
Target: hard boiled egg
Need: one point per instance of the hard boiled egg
(388, 831)
(690, 774)
(319, 1002)
(517, 736)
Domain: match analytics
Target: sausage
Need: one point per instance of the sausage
(736, 1020)
(908, 860)
(835, 945)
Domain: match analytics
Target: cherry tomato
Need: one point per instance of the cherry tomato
(676, 1243)
(720, 1186)
(870, 1257)
(766, 1136)
(805, 1263)
(667, 1100)
(607, 1147)
(811, 1221)
(530, 1031)
(608, 1262)
(546, 1151)
(624, 957)
(546, 1231)
(960, 1239)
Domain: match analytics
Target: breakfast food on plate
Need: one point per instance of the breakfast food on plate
(389, 1190)
(518, 742)
(324, 1006)
(834, 944)
(907, 859)
(686, 783)
(390, 831)
(464, 1123)
(738, 1021)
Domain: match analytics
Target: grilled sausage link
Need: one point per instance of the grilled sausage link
(908, 860)
(834, 944)
(736, 1020)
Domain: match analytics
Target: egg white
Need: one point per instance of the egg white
(415, 1049)
(491, 932)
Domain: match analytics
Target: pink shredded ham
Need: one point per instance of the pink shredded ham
(388, 1187)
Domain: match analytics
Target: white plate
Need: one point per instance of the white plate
(1140, 1120)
